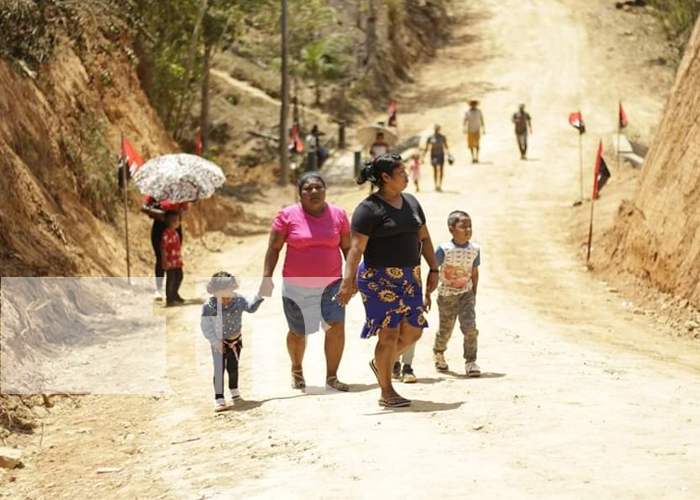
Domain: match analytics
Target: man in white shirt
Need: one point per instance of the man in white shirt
(473, 126)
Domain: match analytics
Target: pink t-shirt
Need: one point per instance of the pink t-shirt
(313, 244)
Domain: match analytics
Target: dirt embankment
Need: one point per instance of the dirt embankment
(657, 234)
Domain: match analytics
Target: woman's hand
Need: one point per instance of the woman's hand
(266, 287)
(428, 302)
(348, 288)
(218, 346)
(432, 283)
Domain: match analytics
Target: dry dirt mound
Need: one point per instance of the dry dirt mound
(657, 234)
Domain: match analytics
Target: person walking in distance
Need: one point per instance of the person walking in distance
(473, 126)
(437, 143)
(523, 123)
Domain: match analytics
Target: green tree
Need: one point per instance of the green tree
(320, 61)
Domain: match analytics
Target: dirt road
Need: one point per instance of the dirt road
(581, 399)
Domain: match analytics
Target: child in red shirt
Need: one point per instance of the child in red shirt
(170, 250)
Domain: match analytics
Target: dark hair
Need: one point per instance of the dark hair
(170, 215)
(307, 176)
(221, 281)
(373, 169)
(454, 217)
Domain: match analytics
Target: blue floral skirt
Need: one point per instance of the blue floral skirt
(390, 295)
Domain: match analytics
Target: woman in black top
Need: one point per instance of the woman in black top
(389, 229)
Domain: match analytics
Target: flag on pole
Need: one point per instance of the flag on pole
(198, 143)
(602, 173)
(622, 117)
(296, 145)
(130, 157)
(392, 122)
(576, 121)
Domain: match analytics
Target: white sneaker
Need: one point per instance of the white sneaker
(235, 394)
(220, 405)
(440, 363)
(472, 369)
(158, 296)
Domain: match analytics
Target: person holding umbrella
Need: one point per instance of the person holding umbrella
(159, 211)
(170, 182)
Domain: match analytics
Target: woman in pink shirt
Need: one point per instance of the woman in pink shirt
(315, 233)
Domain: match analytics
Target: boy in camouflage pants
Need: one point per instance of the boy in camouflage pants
(459, 261)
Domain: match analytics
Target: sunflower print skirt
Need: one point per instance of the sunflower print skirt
(389, 295)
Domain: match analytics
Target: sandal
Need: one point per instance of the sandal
(334, 383)
(298, 381)
(394, 402)
(373, 366)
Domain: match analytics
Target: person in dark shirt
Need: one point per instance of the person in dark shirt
(388, 229)
(523, 123)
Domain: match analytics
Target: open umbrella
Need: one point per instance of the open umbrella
(178, 178)
(367, 135)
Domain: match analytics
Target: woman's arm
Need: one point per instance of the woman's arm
(272, 255)
(349, 285)
(429, 256)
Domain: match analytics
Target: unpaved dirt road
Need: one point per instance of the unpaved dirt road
(581, 398)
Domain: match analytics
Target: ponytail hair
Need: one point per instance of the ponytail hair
(373, 169)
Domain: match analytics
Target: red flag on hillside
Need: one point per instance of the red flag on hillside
(392, 122)
(130, 157)
(602, 174)
(296, 145)
(622, 117)
(576, 121)
(198, 143)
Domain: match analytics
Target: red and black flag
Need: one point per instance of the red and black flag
(393, 121)
(622, 117)
(576, 121)
(128, 159)
(602, 173)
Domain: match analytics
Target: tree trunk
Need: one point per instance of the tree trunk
(284, 110)
(317, 83)
(204, 112)
(371, 33)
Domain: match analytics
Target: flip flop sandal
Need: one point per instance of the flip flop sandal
(394, 402)
(334, 383)
(373, 366)
(298, 381)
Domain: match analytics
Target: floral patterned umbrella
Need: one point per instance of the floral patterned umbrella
(178, 178)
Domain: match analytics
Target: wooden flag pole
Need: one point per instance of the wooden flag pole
(580, 164)
(125, 180)
(590, 232)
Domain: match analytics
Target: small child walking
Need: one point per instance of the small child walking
(415, 170)
(171, 257)
(221, 325)
(459, 261)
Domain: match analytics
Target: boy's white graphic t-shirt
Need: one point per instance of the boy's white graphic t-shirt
(456, 265)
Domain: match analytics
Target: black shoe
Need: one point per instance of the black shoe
(396, 372)
(408, 377)
(179, 300)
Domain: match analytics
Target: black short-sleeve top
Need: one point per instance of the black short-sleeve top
(393, 232)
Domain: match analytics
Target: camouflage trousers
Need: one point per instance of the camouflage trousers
(451, 307)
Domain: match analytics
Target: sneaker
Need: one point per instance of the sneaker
(396, 372)
(220, 405)
(440, 363)
(158, 296)
(235, 394)
(472, 370)
(408, 375)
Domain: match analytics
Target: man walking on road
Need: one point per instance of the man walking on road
(473, 126)
(437, 143)
(523, 123)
